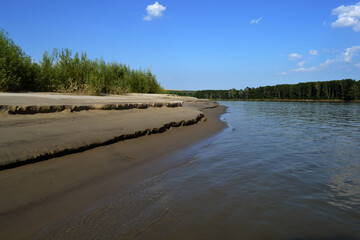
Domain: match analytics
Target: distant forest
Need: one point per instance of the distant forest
(346, 89)
(63, 71)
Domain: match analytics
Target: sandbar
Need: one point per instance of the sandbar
(38, 196)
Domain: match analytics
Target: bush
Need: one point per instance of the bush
(62, 72)
(17, 72)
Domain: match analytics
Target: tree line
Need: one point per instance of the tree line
(346, 89)
(63, 71)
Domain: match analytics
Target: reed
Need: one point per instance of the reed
(63, 71)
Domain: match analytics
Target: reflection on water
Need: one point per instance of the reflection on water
(286, 171)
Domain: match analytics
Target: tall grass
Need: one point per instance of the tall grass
(63, 71)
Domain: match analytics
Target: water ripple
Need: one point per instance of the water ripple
(289, 171)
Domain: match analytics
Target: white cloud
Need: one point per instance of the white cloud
(322, 66)
(348, 56)
(301, 63)
(327, 63)
(313, 52)
(348, 16)
(294, 56)
(350, 53)
(255, 21)
(332, 50)
(283, 73)
(310, 69)
(154, 11)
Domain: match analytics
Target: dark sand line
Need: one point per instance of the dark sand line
(85, 147)
(35, 109)
(40, 197)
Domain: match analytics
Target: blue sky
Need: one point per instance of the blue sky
(199, 44)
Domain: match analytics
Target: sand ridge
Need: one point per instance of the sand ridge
(33, 133)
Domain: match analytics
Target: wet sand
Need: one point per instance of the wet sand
(38, 197)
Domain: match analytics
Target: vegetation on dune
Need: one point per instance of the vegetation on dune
(346, 89)
(62, 71)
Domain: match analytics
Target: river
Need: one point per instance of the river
(282, 170)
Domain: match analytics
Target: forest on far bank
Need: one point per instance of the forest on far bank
(63, 71)
(346, 89)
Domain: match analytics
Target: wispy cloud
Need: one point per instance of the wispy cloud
(332, 50)
(300, 69)
(256, 21)
(309, 69)
(350, 53)
(348, 16)
(346, 57)
(294, 57)
(321, 66)
(301, 63)
(313, 52)
(154, 11)
(327, 63)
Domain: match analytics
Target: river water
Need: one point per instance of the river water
(282, 170)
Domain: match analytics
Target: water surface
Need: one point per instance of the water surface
(280, 171)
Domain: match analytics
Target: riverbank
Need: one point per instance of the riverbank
(289, 100)
(42, 195)
(35, 127)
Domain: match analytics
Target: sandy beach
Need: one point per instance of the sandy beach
(60, 154)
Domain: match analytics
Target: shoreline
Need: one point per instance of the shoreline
(47, 155)
(288, 100)
(37, 127)
(44, 195)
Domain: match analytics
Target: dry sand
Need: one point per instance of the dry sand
(35, 127)
(36, 197)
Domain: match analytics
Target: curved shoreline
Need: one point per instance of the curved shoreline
(40, 197)
(289, 100)
(60, 124)
(81, 148)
